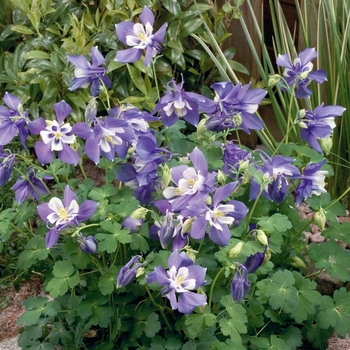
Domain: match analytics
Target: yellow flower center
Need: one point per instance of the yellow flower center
(58, 135)
(109, 138)
(142, 37)
(192, 182)
(63, 214)
(218, 214)
(179, 280)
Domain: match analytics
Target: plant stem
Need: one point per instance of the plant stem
(158, 307)
(213, 285)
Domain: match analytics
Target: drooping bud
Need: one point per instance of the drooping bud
(326, 144)
(221, 177)
(129, 271)
(167, 230)
(261, 237)
(296, 262)
(320, 219)
(139, 214)
(87, 244)
(273, 80)
(255, 261)
(235, 250)
(240, 283)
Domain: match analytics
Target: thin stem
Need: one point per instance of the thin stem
(155, 76)
(158, 307)
(213, 285)
(82, 170)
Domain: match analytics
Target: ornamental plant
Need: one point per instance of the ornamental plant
(186, 239)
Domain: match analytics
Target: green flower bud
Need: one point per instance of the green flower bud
(296, 262)
(209, 201)
(326, 144)
(187, 225)
(302, 125)
(139, 213)
(243, 166)
(261, 237)
(221, 177)
(304, 74)
(273, 80)
(267, 256)
(235, 250)
(140, 271)
(320, 219)
(201, 128)
(166, 175)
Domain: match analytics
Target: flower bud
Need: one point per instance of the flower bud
(240, 283)
(326, 144)
(87, 244)
(235, 250)
(303, 75)
(221, 177)
(187, 225)
(302, 125)
(267, 256)
(129, 271)
(201, 128)
(209, 201)
(139, 214)
(166, 175)
(91, 111)
(320, 219)
(273, 80)
(296, 262)
(261, 237)
(243, 166)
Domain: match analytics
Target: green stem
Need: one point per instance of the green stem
(213, 285)
(155, 76)
(20, 231)
(82, 170)
(338, 199)
(159, 308)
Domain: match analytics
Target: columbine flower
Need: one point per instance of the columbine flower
(57, 136)
(192, 184)
(87, 244)
(13, 120)
(109, 137)
(299, 72)
(254, 261)
(86, 73)
(180, 104)
(221, 216)
(312, 182)
(64, 214)
(318, 124)
(235, 159)
(240, 283)
(128, 272)
(235, 107)
(182, 277)
(140, 37)
(29, 186)
(6, 166)
(277, 169)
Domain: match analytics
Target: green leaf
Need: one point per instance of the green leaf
(137, 79)
(213, 155)
(21, 29)
(5, 228)
(335, 313)
(100, 193)
(36, 54)
(172, 6)
(254, 314)
(188, 27)
(107, 282)
(307, 298)
(338, 231)
(95, 310)
(280, 290)
(126, 207)
(276, 222)
(236, 324)
(109, 242)
(292, 337)
(197, 323)
(330, 256)
(139, 241)
(152, 326)
(65, 277)
(34, 250)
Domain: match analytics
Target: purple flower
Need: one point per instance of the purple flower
(312, 182)
(87, 244)
(13, 120)
(221, 216)
(180, 104)
(234, 158)
(86, 73)
(109, 137)
(128, 272)
(29, 186)
(57, 136)
(254, 261)
(6, 166)
(299, 72)
(182, 277)
(140, 37)
(278, 169)
(62, 214)
(318, 124)
(192, 183)
(240, 284)
(235, 107)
